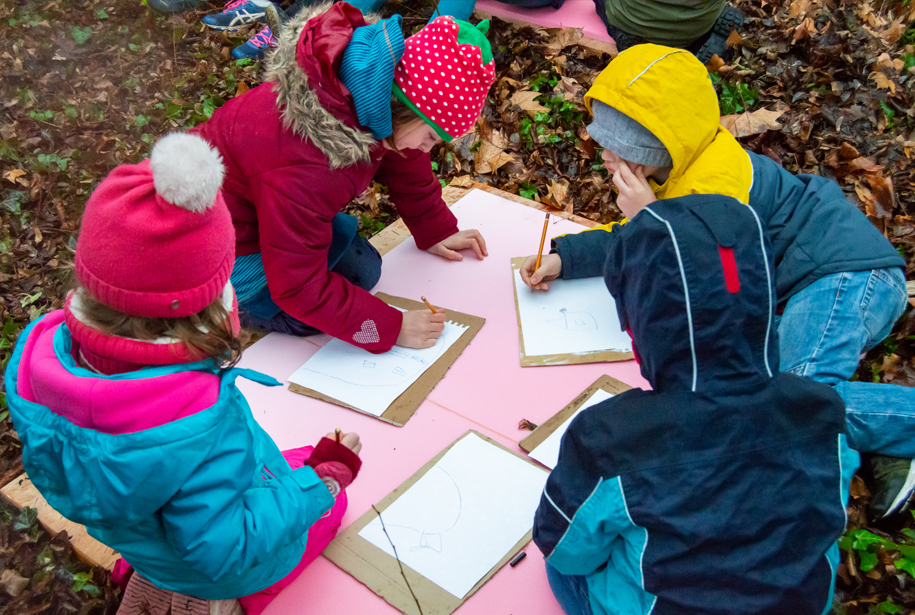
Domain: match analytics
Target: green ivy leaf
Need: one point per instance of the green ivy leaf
(868, 561)
(101, 14)
(888, 607)
(906, 565)
(81, 35)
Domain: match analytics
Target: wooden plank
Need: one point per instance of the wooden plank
(21, 493)
(393, 235)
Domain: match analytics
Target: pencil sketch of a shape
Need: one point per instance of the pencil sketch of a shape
(366, 381)
(431, 536)
(387, 369)
(575, 321)
(464, 515)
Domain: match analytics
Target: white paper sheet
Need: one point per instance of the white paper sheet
(574, 316)
(463, 516)
(370, 382)
(547, 452)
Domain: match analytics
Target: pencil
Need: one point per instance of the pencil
(546, 224)
(337, 433)
(429, 305)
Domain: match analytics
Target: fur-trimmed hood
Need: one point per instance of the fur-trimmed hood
(302, 109)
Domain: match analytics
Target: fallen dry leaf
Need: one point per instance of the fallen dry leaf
(14, 175)
(464, 181)
(526, 101)
(757, 122)
(560, 38)
(491, 155)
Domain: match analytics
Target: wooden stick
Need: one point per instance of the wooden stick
(546, 224)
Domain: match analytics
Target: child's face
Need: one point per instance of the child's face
(612, 163)
(415, 134)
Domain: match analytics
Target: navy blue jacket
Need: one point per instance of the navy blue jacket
(723, 490)
(813, 229)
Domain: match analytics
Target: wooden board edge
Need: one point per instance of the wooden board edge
(536, 438)
(20, 492)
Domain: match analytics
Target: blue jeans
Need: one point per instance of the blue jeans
(360, 264)
(571, 591)
(823, 332)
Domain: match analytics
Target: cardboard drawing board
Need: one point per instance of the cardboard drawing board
(606, 383)
(605, 312)
(381, 573)
(402, 408)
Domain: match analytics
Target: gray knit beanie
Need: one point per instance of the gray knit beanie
(626, 138)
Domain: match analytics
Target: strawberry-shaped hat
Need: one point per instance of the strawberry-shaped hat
(445, 74)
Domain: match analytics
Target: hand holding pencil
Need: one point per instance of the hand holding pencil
(537, 278)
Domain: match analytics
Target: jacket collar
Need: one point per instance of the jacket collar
(312, 101)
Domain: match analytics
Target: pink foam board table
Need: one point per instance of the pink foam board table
(573, 14)
(486, 389)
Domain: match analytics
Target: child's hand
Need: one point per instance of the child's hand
(550, 268)
(449, 248)
(349, 440)
(420, 329)
(635, 192)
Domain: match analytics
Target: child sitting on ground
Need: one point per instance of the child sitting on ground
(345, 103)
(699, 26)
(675, 500)
(840, 285)
(128, 413)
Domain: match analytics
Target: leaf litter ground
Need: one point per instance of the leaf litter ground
(820, 86)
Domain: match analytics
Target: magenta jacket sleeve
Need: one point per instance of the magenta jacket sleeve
(294, 216)
(417, 194)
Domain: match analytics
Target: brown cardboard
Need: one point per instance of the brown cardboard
(599, 356)
(402, 408)
(610, 385)
(380, 572)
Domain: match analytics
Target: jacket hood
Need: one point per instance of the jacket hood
(108, 479)
(669, 92)
(313, 102)
(694, 284)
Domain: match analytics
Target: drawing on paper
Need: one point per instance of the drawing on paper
(383, 370)
(574, 321)
(430, 537)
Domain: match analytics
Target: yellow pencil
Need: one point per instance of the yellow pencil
(337, 434)
(546, 224)
(429, 305)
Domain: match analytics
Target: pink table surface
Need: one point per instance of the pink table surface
(486, 390)
(573, 14)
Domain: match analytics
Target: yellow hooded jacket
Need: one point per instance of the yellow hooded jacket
(669, 92)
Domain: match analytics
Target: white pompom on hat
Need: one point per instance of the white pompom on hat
(157, 238)
(187, 172)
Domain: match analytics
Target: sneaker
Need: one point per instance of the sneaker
(894, 484)
(729, 20)
(173, 6)
(275, 18)
(236, 15)
(256, 46)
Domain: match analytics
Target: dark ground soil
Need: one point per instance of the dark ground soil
(90, 84)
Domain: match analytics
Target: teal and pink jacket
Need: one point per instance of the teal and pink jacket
(165, 464)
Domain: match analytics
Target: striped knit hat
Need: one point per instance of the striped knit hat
(445, 74)
(367, 70)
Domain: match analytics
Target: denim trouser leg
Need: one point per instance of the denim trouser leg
(571, 592)
(822, 333)
(360, 264)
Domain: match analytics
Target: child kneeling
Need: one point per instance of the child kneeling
(723, 489)
(129, 417)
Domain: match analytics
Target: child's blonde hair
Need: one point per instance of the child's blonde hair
(206, 334)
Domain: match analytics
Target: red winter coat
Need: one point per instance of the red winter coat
(295, 156)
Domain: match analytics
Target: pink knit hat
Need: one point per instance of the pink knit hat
(157, 238)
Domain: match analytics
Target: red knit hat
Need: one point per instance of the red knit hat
(157, 238)
(445, 74)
